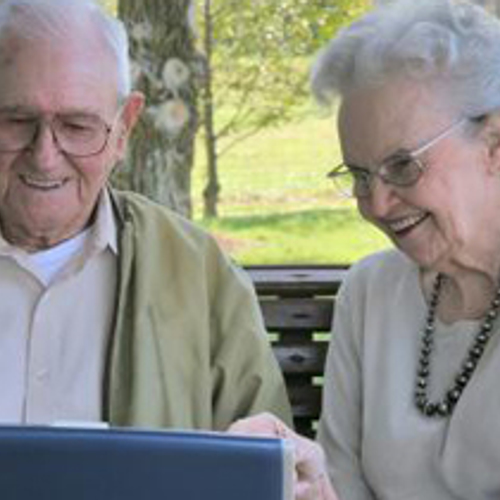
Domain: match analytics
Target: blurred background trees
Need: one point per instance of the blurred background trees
(255, 76)
(230, 136)
(237, 61)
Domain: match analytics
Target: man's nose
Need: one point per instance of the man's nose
(44, 147)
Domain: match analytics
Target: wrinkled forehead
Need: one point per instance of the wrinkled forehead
(52, 77)
(26, 31)
(375, 121)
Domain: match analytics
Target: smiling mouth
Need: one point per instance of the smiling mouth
(42, 184)
(403, 226)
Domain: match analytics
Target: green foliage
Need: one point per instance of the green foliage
(284, 27)
(256, 78)
(259, 50)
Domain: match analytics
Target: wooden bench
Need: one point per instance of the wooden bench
(297, 303)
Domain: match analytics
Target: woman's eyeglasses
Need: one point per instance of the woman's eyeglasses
(402, 169)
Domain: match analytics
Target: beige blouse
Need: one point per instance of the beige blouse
(378, 445)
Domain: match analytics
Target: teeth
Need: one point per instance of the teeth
(41, 183)
(407, 222)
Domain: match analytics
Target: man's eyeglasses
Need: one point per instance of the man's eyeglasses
(76, 134)
(402, 169)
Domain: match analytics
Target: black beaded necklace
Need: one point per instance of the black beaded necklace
(445, 406)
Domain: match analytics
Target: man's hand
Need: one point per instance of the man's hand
(311, 479)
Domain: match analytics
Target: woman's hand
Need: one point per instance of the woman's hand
(311, 479)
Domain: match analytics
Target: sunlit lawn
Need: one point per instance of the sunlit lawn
(279, 169)
(276, 204)
(312, 236)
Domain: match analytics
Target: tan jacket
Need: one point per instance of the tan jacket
(189, 349)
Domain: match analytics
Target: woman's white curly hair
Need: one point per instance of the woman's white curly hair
(450, 43)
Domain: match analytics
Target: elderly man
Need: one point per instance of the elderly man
(111, 307)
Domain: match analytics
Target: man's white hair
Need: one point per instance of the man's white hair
(57, 19)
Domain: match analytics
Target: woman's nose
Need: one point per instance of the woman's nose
(381, 198)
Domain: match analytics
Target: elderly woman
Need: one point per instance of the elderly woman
(411, 400)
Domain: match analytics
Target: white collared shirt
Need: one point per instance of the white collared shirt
(56, 310)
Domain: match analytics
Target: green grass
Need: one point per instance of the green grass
(278, 170)
(312, 236)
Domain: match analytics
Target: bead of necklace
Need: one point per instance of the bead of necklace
(445, 406)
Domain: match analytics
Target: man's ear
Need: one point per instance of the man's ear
(131, 110)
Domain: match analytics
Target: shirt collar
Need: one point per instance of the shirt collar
(104, 228)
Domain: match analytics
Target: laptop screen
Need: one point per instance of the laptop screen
(46, 463)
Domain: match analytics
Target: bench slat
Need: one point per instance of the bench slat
(298, 281)
(306, 401)
(302, 359)
(293, 313)
(296, 303)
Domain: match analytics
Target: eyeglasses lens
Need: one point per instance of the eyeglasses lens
(79, 135)
(401, 170)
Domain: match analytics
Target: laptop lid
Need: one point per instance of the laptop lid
(45, 463)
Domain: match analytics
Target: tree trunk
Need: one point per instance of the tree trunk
(165, 67)
(212, 188)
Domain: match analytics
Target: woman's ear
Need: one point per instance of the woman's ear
(130, 113)
(491, 137)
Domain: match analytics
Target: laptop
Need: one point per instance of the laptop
(51, 463)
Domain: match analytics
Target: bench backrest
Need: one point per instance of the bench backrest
(297, 303)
